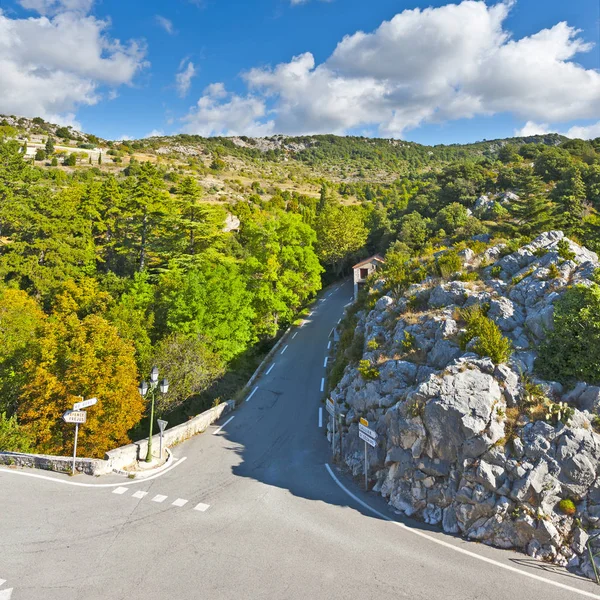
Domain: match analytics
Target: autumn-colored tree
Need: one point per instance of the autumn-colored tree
(81, 357)
(21, 321)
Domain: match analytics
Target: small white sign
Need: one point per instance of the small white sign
(75, 416)
(162, 424)
(330, 406)
(367, 431)
(84, 403)
(367, 438)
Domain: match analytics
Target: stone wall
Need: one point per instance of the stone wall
(122, 457)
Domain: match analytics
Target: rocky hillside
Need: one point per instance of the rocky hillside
(481, 447)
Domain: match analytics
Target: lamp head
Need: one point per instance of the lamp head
(154, 375)
(143, 388)
(164, 385)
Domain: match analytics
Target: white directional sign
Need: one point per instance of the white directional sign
(367, 431)
(367, 438)
(75, 416)
(330, 406)
(84, 403)
(162, 424)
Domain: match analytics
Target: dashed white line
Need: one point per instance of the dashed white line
(322, 383)
(339, 320)
(328, 344)
(120, 490)
(179, 502)
(320, 416)
(202, 507)
(490, 561)
(270, 369)
(331, 332)
(252, 393)
(6, 594)
(284, 349)
(159, 498)
(325, 362)
(140, 494)
(295, 334)
(2, 582)
(219, 428)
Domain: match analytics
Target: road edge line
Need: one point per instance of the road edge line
(455, 548)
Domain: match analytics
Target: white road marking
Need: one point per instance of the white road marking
(159, 498)
(270, 369)
(98, 485)
(490, 561)
(328, 344)
(331, 332)
(202, 507)
(2, 582)
(284, 349)
(339, 320)
(295, 334)
(310, 313)
(349, 303)
(322, 383)
(120, 490)
(320, 416)
(252, 394)
(140, 494)
(219, 428)
(6, 594)
(179, 502)
(325, 362)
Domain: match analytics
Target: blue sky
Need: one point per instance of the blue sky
(457, 86)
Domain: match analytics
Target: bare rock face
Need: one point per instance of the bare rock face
(447, 453)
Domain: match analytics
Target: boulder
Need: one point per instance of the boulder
(442, 353)
(459, 407)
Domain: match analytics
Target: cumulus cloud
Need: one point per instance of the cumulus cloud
(219, 112)
(48, 7)
(183, 79)
(429, 66)
(165, 24)
(531, 128)
(51, 65)
(155, 133)
(585, 132)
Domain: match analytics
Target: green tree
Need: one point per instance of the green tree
(341, 235)
(49, 146)
(414, 231)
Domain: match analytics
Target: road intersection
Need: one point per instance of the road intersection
(252, 511)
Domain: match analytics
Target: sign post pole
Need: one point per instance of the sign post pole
(366, 479)
(161, 426)
(75, 447)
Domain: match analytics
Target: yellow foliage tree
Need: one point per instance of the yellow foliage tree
(81, 357)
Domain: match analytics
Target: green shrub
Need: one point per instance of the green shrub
(368, 371)
(12, 437)
(372, 345)
(567, 506)
(409, 342)
(559, 412)
(553, 271)
(496, 270)
(448, 264)
(564, 250)
(571, 350)
(519, 278)
(490, 341)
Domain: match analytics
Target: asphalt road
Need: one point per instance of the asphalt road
(250, 510)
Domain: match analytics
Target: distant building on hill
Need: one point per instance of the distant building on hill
(363, 269)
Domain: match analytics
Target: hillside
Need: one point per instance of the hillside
(195, 254)
(486, 425)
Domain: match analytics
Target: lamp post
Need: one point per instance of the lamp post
(143, 389)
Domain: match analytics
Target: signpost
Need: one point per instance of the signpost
(369, 436)
(85, 403)
(78, 416)
(161, 426)
(330, 406)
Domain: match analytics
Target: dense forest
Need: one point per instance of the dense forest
(108, 271)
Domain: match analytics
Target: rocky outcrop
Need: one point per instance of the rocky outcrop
(456, 448)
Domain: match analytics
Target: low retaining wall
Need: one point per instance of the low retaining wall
(122, 457)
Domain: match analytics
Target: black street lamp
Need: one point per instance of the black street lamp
(143, 389)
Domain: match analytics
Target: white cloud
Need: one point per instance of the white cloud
(531, 128)
(585, 132)
(165, 23)
(155, 133)
(49, 7)
(423, 66)
(51, 65)
(124, 138)
(221, 113)
(183, 79)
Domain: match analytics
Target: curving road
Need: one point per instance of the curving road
(252, 512)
